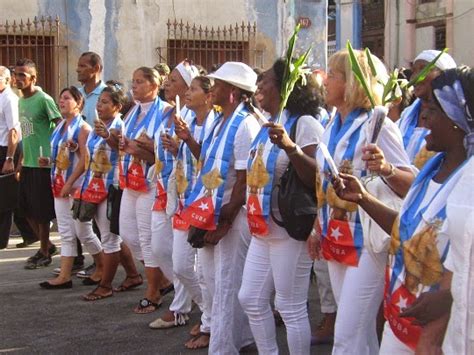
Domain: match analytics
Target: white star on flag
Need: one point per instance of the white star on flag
(134, 172)
(402, 303)
(336, 233)
(203, 206)
(252, 208)
(95, 186)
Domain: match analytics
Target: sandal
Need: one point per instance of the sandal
(123, 287)
(190, 344)
(146, 306)
(94, 296)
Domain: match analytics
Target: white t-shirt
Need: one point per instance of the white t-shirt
(9, 118)
(459, 227)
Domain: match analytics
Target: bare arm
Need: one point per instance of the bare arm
(9, 165)
(399, 179)
(304, 163)
(349, 188)
(230, 210)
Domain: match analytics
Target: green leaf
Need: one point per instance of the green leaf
(358, 73)
(371, 63)
(426, 70)
(294, 70)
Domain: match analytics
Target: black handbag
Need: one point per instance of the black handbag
(196, 237)
(296, 201)
(114, 198)
(83, 211)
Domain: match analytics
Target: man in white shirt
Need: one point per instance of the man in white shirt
(9, 138)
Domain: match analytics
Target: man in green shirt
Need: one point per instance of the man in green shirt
(38, 117)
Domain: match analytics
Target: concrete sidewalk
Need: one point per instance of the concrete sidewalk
(34, 320)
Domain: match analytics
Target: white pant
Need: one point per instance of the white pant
(184, 262)
(162, 247)
(230, 328)
(135, 224)
(391, 345)
(326, 297)
(69, 228)
(206, 274)
(282, 265)
(110, 241)
(358, 292)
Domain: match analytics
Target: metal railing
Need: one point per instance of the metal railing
(208, 46)
(40, 41)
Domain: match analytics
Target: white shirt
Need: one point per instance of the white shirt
(459, 226)
(9, 118)
(244, 137)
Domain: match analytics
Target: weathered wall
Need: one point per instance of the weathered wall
(126, 33)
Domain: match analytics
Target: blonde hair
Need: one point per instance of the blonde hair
(151, 75)
(354, 95)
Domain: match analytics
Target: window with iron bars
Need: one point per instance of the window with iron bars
(208, 46)
(37, 40)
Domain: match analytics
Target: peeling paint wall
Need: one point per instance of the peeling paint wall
(127, 33)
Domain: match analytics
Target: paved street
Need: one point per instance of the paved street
(39, 321)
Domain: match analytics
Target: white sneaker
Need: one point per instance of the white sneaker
(87, 272)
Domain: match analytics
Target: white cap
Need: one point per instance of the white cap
(188, 71)
(443, 63)
(237, 74)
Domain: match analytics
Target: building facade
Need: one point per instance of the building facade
(132, 33)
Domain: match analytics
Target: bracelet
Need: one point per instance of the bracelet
(391, 174)
(295, 151)
(108, 135)
(313, 233)
(9, 158)
(75, 149)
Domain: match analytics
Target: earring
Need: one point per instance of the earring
(455, 127)
(231, 98)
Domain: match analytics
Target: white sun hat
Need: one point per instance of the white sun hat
(237, 74)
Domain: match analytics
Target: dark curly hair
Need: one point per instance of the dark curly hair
(305, 99)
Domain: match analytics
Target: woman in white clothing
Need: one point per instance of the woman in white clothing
(135, 143)
(356, 273)
(163, 241)
(275, 261)
(68, 152)
(215, 204)
(101, 173)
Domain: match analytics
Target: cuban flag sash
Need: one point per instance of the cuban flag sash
(202, 207)
(101, 165)
(186, 170)
(133, 171)
(62, 159)
(340, 221)
(417, 251)
(260, 173)
(409, 120)
(163, 162)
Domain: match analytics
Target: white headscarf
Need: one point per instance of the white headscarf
(443, 63)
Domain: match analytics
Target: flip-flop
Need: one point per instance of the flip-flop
(196, 338)
(93, 296)
(146, 306)
(123, 288)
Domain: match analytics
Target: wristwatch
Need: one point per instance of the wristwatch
(391, 174)
(9, 158)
